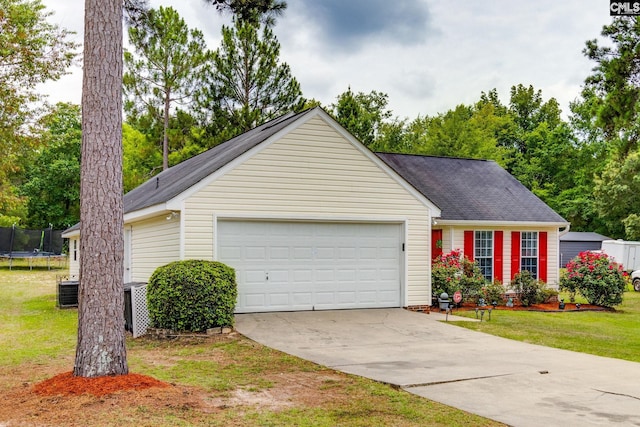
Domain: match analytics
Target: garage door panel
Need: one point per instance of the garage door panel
(277, 277)
(388, 274)
(302, 253)
(325, 254)
(367, 275)
(345, 275)
(254, 300)
(324, 298)
(303, 276)
(304, 266)
(252, 277)
(277, 299)
(368, 297)
(325, 275)
(255, 253)
(278, 253)
(347, 254)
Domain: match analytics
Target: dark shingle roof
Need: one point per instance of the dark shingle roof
(173, 181)
(471, 190)
(583, 236)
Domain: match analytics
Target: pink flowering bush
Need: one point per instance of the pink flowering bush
(596, 277)
(452, 272)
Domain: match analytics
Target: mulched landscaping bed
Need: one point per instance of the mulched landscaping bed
(547, 307)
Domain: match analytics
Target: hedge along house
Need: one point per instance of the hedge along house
(306, 214)
(488, 214)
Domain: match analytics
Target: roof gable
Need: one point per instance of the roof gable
(189, 176)
(471, 190)
(177, 179)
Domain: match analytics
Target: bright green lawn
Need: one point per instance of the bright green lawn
(36, 339)
(612, 334)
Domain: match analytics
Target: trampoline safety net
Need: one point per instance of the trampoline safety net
(18, 242)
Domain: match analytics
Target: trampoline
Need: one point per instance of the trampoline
(32, 245)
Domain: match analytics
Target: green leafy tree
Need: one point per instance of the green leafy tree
(169, 67)
(249, 86)
(362, 114)
(544, 152)
(615, 83)
(53, 179)
(608, 121)
(466, 131)
(32, 51)
(617, 196)
(141, 159)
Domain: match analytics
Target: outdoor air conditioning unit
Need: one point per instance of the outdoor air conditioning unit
(67, 293)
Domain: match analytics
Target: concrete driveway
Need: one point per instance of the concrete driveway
(516, 383)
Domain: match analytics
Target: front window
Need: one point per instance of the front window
(529, 252)
(483, 253)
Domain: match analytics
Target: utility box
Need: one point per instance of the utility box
(626, 253)
(67, 293)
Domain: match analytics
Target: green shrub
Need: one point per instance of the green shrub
(192, 295)
(596, 277)
(454, 272)
(493, 292)
(549, 295)
(528, 290)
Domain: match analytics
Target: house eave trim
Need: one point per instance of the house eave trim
(485, 223)
(149, 212)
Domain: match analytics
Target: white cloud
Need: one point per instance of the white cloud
(428, 55)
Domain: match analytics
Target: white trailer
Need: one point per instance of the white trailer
(626, 253)
(623, 252)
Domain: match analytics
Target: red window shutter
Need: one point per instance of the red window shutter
(498, 239)
(436, 243)
(468, 244)
(542, 256)
(515, 253)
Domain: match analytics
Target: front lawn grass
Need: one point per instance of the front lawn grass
(216, 381)
(603, 333)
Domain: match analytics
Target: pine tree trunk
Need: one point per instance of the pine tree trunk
(101, 342)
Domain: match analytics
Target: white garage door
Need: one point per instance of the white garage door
(285, 266)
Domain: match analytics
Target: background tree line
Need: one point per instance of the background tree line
(182, 98)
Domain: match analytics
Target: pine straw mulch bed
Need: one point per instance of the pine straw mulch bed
(552, 307)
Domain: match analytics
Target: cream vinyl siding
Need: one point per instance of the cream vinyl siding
(312, 173)
(154, 242)
(453, 238)
(74, 261)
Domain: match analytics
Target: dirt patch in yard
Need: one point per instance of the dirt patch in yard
(63, 400)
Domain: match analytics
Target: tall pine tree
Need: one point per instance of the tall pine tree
(168, 68)
(249, 84)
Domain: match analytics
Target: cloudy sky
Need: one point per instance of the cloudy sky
(427, 55)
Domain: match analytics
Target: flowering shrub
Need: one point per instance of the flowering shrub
(596, 277)
(455, 272)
